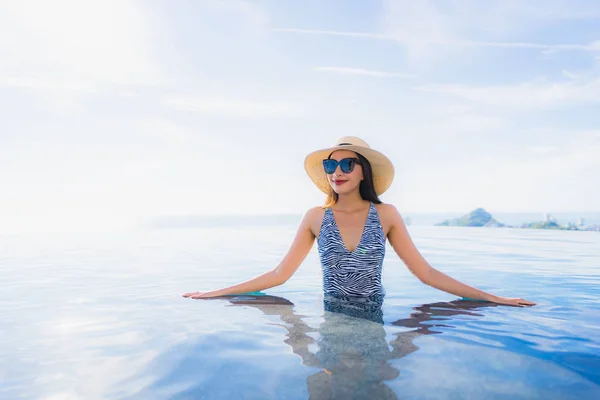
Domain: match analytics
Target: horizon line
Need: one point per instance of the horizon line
(402, 212)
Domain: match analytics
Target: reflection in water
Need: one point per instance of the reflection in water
(353, 353)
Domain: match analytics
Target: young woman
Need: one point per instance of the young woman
(351, 230)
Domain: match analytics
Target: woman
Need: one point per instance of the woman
(351, 232)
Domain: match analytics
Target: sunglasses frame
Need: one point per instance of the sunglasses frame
(339, 163)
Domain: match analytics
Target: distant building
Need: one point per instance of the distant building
(580, 222)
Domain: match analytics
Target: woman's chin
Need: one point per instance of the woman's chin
(341, 189)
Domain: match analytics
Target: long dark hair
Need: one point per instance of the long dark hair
(366, 188)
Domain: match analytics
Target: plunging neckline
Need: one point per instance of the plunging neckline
(362, 235)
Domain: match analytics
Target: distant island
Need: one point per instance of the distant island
(481, 218)
(478, 217)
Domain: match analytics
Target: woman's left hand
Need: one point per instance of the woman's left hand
(510, 301)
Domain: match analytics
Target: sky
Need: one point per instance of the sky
(117, 111)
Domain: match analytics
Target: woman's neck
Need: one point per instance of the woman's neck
(350, 202)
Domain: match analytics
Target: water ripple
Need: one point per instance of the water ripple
(101, 317)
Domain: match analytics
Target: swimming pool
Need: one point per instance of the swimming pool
(100, 316)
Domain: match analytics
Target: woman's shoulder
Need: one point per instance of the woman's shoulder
(316, 212)
(314, 218)
(388, 212)
(386, 209)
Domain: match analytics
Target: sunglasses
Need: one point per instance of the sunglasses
(346, 165)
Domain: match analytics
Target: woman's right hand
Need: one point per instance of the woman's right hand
(199, 295)
(299, 250)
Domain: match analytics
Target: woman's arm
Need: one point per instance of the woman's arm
(287, 267)
(403, 245)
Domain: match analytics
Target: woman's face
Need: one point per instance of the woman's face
(345, 182)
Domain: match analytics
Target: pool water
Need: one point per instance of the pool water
(100, 316)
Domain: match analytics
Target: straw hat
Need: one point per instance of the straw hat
(383, 169)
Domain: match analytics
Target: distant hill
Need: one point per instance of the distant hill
(482, 218)
(478, 217)
(547, 225)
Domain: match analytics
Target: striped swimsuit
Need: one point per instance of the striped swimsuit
(352, 273)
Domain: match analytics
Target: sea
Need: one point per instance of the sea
(100, 315)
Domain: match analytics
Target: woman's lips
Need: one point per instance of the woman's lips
(339, 182)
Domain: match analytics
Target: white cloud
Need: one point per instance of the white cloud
(563, 10)
(61, 50)
(252, 14)
(334, 33)
(444, 121)
(548, 180)
(428, 30)
(228, 107)
(139, 151)
(46, 84)
(102, 41)
(62, 96)
(543, 149)
(526, 95)
(440, 21)
(444, 39)
(417, 25)
(591, 47)
(569, 74)
(367, 72)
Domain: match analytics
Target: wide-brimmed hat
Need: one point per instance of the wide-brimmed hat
(383, 169)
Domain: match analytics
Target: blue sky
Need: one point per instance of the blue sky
(116, 111)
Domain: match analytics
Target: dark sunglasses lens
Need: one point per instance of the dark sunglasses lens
(330, 166)
(347, 165)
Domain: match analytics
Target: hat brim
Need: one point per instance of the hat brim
(383, 168)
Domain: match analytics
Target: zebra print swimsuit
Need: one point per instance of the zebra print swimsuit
(352, 273)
